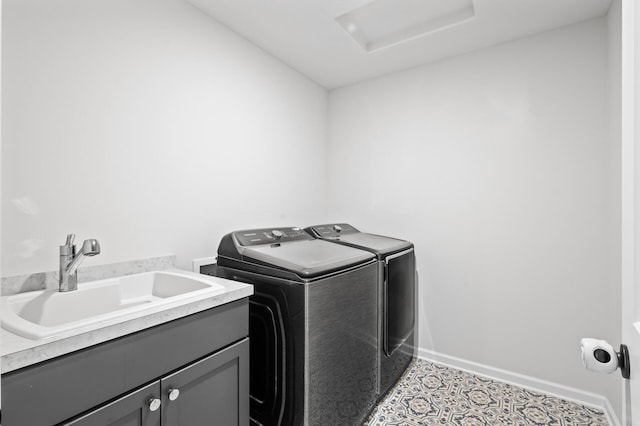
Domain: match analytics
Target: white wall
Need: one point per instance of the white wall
(500, 167)
(145, 124)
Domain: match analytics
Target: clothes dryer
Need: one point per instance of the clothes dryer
(396, 290)
(313, 334)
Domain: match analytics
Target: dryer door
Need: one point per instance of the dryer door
(399, 299)
(267, 346)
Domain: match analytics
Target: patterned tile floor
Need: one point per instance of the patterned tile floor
(431, 394)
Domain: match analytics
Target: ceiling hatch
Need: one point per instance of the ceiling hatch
(383, 23)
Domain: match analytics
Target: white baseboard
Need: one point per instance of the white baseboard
(554, 389)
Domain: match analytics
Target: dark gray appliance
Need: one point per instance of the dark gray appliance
(312, 328)
(396, 260)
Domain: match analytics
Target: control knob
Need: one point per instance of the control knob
(337, 228)
(277, 234)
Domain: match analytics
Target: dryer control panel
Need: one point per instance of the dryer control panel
(332, 231)
(254, 237)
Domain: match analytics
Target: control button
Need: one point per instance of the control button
(337, 228)
(277, 234)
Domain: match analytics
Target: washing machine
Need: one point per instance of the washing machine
(396, 292)
(313, 334)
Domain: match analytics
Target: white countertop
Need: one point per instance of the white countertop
(18, 352)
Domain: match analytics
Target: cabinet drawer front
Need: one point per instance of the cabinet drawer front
(63, 387)
(130, 410)
(214, 390)
(161, 350)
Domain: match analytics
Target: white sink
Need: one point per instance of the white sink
(49, 313)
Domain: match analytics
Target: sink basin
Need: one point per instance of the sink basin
(48, 313)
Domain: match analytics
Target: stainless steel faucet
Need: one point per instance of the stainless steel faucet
(69, 261)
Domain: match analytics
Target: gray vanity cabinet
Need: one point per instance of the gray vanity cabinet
(187, 372)
(213, 390)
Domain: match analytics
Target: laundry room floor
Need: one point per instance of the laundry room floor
(431, 394)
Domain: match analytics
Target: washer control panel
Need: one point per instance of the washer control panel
(254, 237)
(332, 231)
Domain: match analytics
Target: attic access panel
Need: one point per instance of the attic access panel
(384, 23)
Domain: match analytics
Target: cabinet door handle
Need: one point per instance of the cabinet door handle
(174, 394)
(154, 404)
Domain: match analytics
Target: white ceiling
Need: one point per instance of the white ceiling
(305, 34)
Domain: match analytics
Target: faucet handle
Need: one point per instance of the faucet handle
(70, 238)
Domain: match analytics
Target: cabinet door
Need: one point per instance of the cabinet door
(214, 390)
(133, 409)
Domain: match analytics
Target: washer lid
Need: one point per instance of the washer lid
(347, 234)
(376, 243)
(307, 258)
